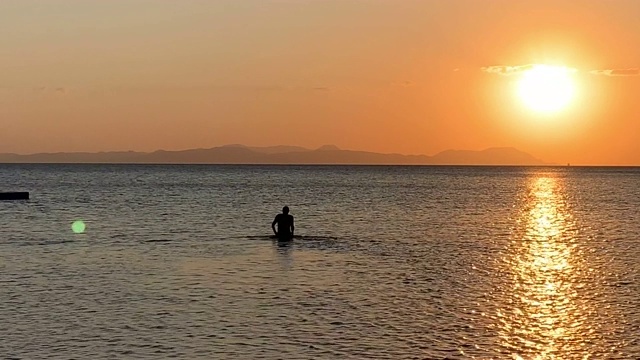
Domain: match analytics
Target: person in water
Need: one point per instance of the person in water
(285, 225)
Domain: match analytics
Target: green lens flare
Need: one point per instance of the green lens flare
(78, 227)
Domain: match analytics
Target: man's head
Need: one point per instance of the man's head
(285, 210)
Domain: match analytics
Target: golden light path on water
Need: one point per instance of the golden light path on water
(544, 316)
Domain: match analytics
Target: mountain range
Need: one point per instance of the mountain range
(241, 154)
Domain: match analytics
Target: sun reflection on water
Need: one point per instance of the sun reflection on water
(544, 317)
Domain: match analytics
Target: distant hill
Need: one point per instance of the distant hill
(241, 154)
(493, 156)
(270, 149)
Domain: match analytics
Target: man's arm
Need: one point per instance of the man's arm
(292, 227)
(273, 225)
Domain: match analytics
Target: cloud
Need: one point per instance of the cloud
(506, 70)
(617, 72)
(275, 88)
(51, 90)
(402, 83)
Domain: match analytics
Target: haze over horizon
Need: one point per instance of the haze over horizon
(408, 77)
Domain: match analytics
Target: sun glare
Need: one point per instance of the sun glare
(546, 88)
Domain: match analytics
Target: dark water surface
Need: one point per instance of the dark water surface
(393, 263)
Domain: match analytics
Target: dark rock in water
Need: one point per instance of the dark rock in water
(14, 195)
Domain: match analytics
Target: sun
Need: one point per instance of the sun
(547, 88)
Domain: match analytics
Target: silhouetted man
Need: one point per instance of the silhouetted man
(285, 225)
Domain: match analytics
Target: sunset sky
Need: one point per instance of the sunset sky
(405, 76)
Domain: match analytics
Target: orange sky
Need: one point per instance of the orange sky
(388, 76)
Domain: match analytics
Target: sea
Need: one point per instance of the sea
(389, 262)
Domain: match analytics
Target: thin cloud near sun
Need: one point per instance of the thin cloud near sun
(507, 70)
(617, 72)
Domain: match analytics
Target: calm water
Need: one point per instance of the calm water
(395, 263)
